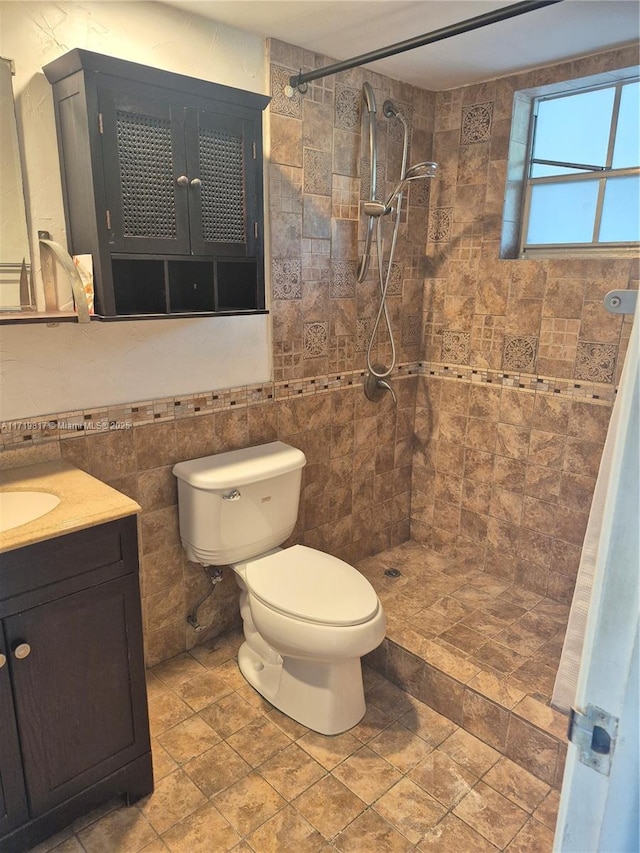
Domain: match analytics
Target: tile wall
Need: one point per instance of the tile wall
(507, 368)
(506, 457)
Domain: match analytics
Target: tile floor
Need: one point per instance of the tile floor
(234, 774)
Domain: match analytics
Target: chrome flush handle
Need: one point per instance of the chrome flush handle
(232, 496)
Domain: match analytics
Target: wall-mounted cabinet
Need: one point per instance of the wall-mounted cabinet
(162, 183)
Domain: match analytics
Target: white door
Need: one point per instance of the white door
(599, 811)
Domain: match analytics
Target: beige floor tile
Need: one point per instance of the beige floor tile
(329, 806)
(428, 724)
(401, 747)
(217, 651)
(231, 674)
(443, 778)
(390, 699)
(492, 815)
(470, 752)
(203, 690)
(516, 784)
(374, 721)
(95, 814)
(155, 686)
(287, 830)
(251, 695)
(166, 711)
(122, 829)
(71, 845)
(190, 738)
(248, 803)
(157, 846)
(229, 714)
(366, 774)
(534, 837)
(173, 799)
(329, 751)
(163, 764)
(372, 833)
(291, 771)
(177, 670)
(205, 831)
(452, 835)
(258, 741)
(291, 728)
(410, 810)
(547, 811)
(216, 769)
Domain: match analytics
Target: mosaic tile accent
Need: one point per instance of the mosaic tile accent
(411, 330)
(286, 277)
(558, 338)
(316, 336)
(317, 172)
(456, 347)
(596, 362)
(280, 103)
(343, 279)
(347, 108)
(476, 123)
(520, 352)
(440, 221)
(395, 281)
(364, 326)
(419, 193)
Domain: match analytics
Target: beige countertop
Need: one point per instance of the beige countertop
(84, 502)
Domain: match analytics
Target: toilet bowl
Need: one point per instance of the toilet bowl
(308, 617)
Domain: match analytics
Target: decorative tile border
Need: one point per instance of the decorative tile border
(64, 425)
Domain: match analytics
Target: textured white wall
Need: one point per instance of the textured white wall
(45, 370)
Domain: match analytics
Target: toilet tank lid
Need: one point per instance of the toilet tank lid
(239, 467)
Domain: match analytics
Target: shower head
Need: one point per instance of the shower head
(413, 173)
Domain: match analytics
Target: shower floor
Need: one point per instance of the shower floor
(478, 649)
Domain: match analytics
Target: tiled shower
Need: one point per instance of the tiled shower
(506, 373)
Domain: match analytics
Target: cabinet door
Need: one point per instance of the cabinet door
(13, 801)
(145, 173)
(79, 690)
(225, 191)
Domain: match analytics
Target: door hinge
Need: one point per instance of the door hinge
(100, 123)
(253, 150)
(108, 215)
(594, 733)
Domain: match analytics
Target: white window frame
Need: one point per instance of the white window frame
(517, 192)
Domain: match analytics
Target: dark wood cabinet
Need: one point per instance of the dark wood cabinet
(162, 183)
(75, 728)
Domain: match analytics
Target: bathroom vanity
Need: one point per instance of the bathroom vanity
(73, 706)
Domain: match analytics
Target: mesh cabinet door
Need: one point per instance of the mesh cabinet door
(145, 174)
(223, 197)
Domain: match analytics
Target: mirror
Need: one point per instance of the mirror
(15, 264)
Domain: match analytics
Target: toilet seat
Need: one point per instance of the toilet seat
(311, 586)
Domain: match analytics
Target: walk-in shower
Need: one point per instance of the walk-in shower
(376, 380)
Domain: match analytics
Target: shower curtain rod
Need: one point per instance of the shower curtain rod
(298, 80)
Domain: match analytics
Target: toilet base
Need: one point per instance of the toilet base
(327, 697)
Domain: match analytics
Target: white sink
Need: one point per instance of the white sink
(18, 508)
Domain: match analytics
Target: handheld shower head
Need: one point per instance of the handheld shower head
(417, 172)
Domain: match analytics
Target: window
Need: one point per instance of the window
(582, 189)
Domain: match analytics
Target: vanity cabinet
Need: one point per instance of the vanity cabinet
(162, 183)
(75, 729)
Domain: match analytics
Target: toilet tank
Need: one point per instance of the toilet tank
(238, 504)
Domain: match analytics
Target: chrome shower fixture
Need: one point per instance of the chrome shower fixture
(422, 170)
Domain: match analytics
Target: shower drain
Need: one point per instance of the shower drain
(393, 573)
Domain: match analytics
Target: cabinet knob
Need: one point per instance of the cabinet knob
(182, 181)
(22, 651)
(196, 183)
(3, 660)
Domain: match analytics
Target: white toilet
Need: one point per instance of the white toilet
(308, 617)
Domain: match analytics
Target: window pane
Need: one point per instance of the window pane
(620, 214)
(626, 151)
(562, 213)
(575, 128)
